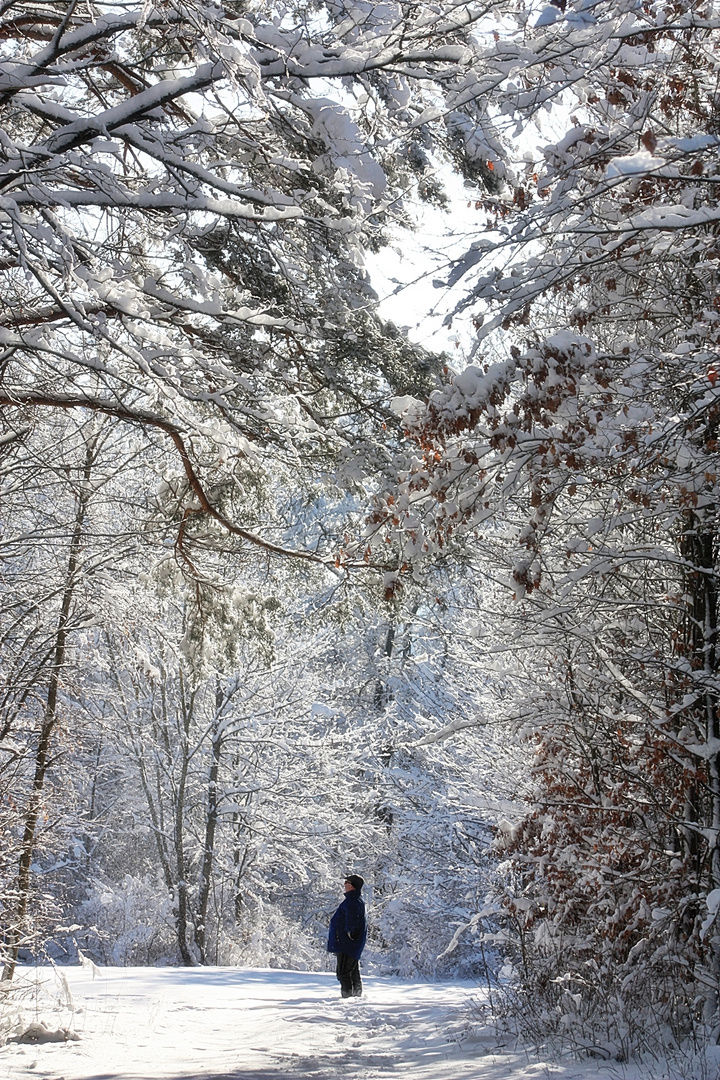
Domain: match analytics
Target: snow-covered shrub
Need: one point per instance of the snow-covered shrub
(10, 1011)
(410, 934)
(611, 936)
(269, 938)
(129, 922)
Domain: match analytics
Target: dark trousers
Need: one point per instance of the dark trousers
(348, 975)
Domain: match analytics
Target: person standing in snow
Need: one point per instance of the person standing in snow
(348, 932)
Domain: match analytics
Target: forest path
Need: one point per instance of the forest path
(248, 1024)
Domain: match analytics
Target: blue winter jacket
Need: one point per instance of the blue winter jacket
(348, 931)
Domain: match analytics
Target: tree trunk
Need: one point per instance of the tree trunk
(699, 549)
(184, 915)
(17, 918)
(210, 828)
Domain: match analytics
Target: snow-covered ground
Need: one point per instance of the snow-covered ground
(244, 1024)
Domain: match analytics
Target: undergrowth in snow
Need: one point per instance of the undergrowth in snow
(252, 1024)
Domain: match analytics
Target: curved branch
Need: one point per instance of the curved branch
(143, 417)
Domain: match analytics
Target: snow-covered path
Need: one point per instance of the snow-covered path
(243, 1024)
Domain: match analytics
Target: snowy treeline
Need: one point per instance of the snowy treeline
(212, 708)
(196, 753)
(280, 588)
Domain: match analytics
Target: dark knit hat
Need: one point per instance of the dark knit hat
(356, 881)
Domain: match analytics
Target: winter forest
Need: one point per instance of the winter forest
(307, 568)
